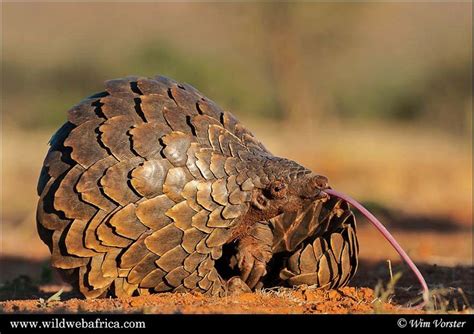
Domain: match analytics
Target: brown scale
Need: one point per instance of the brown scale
(152, 187)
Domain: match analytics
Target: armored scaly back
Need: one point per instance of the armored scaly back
(147, 181)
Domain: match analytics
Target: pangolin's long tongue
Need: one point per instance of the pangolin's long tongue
(378, 225)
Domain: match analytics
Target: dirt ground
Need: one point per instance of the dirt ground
(368, 292)
(346, 300)
(274, 301)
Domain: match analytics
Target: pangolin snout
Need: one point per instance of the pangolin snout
(313, 187)
(320, 182)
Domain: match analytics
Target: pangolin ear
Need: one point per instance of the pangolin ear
(259, 200)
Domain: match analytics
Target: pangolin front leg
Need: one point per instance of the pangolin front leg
(254, 251)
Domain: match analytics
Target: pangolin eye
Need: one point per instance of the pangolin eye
(277, 189)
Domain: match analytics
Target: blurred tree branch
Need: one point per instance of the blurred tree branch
(285, 66)
(299, 48)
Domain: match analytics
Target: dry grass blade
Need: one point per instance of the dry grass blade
(56, 297)
(384, 294)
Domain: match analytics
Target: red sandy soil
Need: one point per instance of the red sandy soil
(345, 300)
(451, 292)
(444, 256)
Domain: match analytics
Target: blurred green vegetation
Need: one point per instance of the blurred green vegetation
(389, 62)
(438, 97)
(48, 92)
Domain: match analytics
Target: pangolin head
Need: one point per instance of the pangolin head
(287, 192)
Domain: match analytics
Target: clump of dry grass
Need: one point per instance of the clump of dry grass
(56, 297)
(384, 294)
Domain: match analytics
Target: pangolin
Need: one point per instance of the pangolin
(151, 187)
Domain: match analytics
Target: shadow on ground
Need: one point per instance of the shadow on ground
(23, 278)
(398, 220)
(452, 287)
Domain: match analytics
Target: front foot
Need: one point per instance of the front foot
(235, 286)
(253, 253)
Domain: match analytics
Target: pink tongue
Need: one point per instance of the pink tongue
(387, 236)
